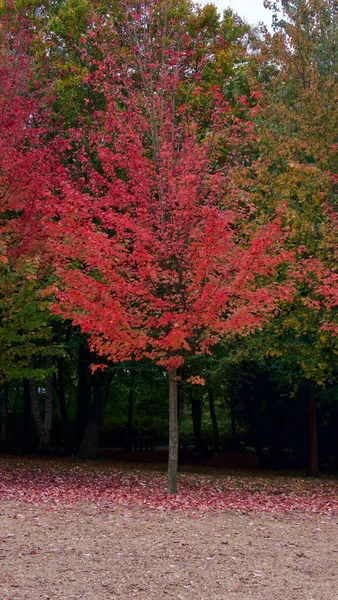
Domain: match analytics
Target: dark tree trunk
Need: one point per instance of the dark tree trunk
(259, 453)
(129, 441)
(213, 418)
(83, 392)
(27, 417)
(173, 433)
(196, 413)
(336, 444)
(255, 434)
(233, 420)
(59, 385)
(313, 466)
(4, 415)
(43, 426)
(180, 407)
(48, 416)
(276, 427)
(88, 447)
(130, 412)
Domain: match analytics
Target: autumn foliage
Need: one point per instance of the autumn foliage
(53, 483)
(163, 191)
(156, 250)
(26, 160)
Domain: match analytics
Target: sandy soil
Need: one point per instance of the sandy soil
(78, 552)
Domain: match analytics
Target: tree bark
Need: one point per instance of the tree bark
(213, 418)
(4, 416)
(233, 420)
(255, 433)
(88, 447)
(196, 413)
(83, 394)
(173, 433)
(43, 433)
(49, 400)
(128, 444)
(180, 408)
(276, 427)
(313, 465)
(27, 416)
(59, 385)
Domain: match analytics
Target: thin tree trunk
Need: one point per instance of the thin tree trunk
(256, 434)
(4, 416)
(233, 420)
(213, 418)
(27, 416)
(313, 466)
(83, 394)
(196, 413)
(39, 424)
(129, 445)
(49, 400)
(336, 446)
(276, 426)
(130, 411)
(59, 385)
(173, 433)
(180, 408)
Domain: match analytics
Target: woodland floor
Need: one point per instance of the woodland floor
(95, 531)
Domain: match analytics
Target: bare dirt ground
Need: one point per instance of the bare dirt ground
(80, 552)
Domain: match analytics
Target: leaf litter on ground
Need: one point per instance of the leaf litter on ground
(54, 481)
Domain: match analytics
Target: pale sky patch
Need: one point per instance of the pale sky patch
(251, 11)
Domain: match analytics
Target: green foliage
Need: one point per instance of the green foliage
(290, 164)
(26, 332)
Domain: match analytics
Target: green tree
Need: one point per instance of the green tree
(295, 75)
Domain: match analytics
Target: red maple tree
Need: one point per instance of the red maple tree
(25, 185)
(28, 146)
(19, 159)
(157, 252)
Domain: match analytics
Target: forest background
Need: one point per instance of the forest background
(168, 182)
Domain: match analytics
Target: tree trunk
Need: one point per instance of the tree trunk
(233, 420)
(173, 433)
(276, 426)
(27, 417)
(129, 444)
(180, 408)
(4, 415)
(83, 393)
(313, 466)
(59, 385)
(43, 433)
(196, 413)
(213, 418)
(88, 447)
(49, 400)
(336, 445)
(255, 433)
